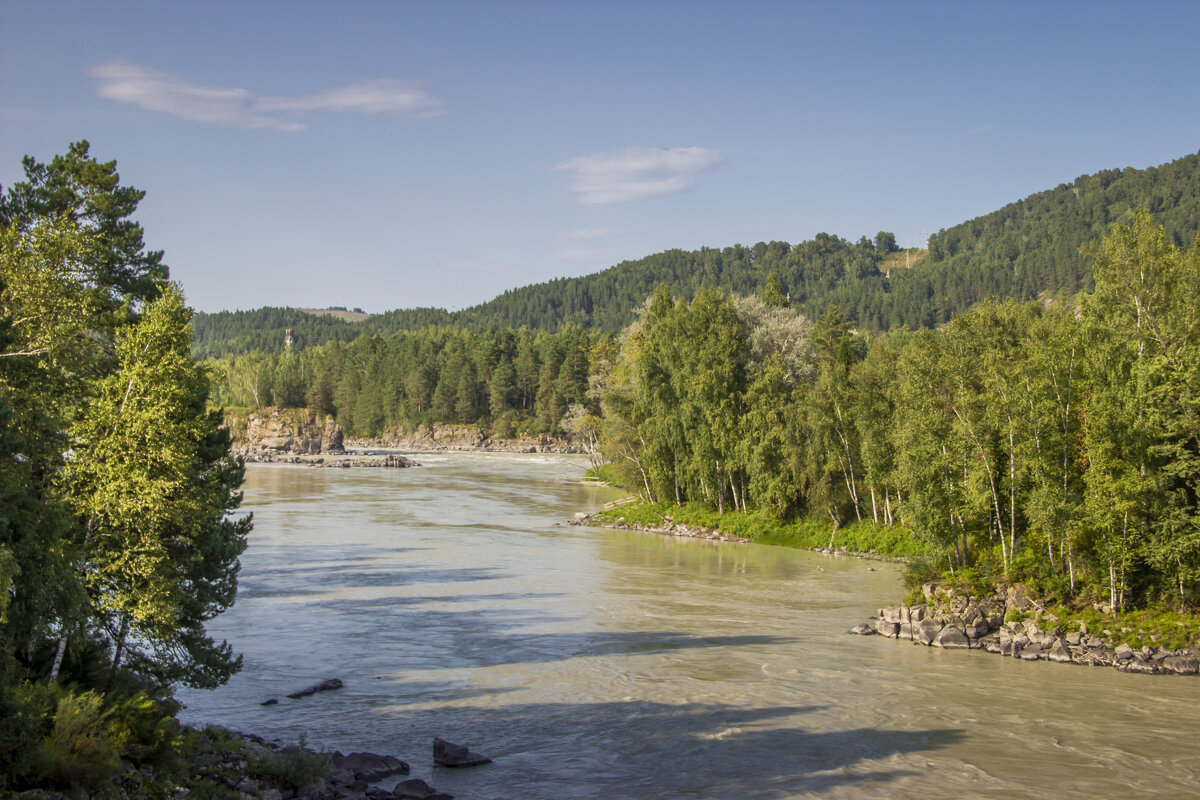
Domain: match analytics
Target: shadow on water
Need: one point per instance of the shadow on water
(316, 580)
(637, 750)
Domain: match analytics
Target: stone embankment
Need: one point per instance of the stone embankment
(440, 437)
(349, 777)
(668, 528)
(955, 621)
(300, 436)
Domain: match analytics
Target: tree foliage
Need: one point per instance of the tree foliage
(115, 478)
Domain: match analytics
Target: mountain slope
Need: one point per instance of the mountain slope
(1027, 248)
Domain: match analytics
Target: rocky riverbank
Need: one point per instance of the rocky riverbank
(443, 437)
(300, 436)
(668, 528)
(219, 763)
(1011, 624)
(345, 459)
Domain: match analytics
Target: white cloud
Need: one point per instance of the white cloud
(636, 172)
(583, 244)
(153, 90)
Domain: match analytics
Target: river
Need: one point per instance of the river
(593, 663)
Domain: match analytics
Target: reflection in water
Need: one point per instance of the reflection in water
(608, 664)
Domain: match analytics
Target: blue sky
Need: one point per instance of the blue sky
(398, 154)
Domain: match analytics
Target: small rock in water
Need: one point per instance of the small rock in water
(449, 754)
(270, 702)
(369, 767)
(862, 629)
(417, 789)
(323, 686)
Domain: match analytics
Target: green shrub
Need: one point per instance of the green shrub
(80, 750)
(292, 767)
(145, 727)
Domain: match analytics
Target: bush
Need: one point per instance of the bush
(80, 750)
(292, 767)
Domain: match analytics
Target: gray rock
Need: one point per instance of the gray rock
(1137, 665)
(977, 628)
(1059, 652)
(893, 614)
(864, 629)
(1093, 641)
(1123, 652)
(1181, 665)
(369, 767)
(340, 776)
(991, 643)
(449, 754)
(323, 686)
(951, 637)
(906, 630)
(1075, 639)
(926, 631)
(1031, 653)
(270, 794)
(247, 786)
(886, 628)
(417, 789)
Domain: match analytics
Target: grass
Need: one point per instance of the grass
(901, 258)
(858, 537)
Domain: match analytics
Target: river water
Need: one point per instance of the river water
(593, 663)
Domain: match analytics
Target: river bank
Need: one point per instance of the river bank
(1011, 623)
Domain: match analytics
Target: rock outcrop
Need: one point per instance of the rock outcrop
(295, 431)
(441, 436)
(949, 619)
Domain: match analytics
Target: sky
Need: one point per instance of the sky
(398, 154)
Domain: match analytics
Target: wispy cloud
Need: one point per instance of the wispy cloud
(582, 244)
(636, 172)
(153, 90)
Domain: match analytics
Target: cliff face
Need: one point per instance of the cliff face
(441, 436)
(300, 431)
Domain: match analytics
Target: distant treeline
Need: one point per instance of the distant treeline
(514, 381)
(1024, 250)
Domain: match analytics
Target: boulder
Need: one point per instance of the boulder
(951, 637)
(918, 613)
(1181, 665)
(417, 789)
(1017, 596)
(1059, 652)
(926, 631)
(991, 643)
(864, 629)
(323, 686)
(1075, 639)
(1123, 652)
(449, 754)
(886, 628)
(1031, 653)
(369, 767)
(1138, 665)
(906, 630)
(977, 628)
(892, 614)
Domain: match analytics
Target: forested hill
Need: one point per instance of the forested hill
(1022, 250)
